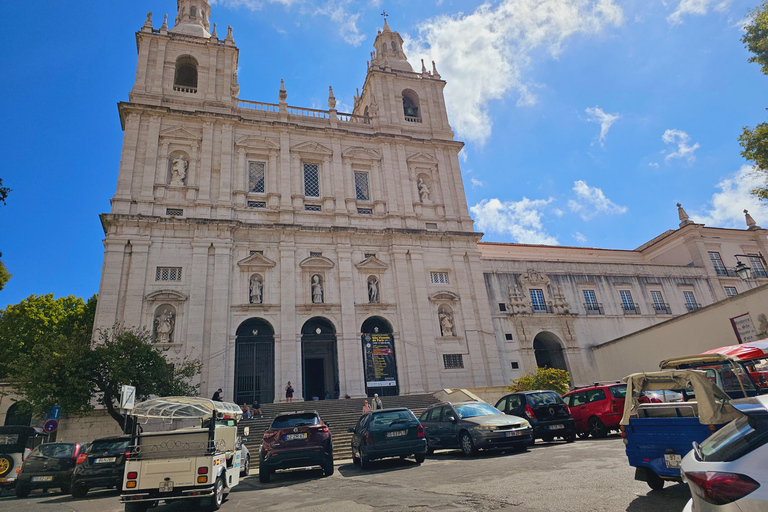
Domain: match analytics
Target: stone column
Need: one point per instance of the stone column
(198, 275)
(241, 177)
(137, 279)
(283, 175)
(127, 160)
(161, 167)
(150, 165)
(351, 370)
(156, 83)
(225, 177)
(288, 351)
(221, 359)
(409, 358)
(206, 163)
(111, 274)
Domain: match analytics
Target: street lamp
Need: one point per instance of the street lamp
(743, 271)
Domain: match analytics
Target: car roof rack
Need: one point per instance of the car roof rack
(597, 383)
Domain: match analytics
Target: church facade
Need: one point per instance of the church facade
(336, 251)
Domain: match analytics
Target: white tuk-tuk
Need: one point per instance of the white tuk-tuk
(182, 448)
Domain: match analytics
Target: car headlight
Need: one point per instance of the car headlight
(525, 423)
(485, 428)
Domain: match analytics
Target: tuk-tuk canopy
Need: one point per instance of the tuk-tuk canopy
(713, 404)
(744, 352)
(185, 407)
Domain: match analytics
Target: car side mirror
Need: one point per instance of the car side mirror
(452, 419)
(349, 430)
(246, 431)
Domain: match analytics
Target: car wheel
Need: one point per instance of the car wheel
(218, 495)
(79, 490)
(570, 438)
(264, 473)
(597, 428)
(22, 491)
(328, 467)
(6, 465)
(246, 467)
(365, 463)
(419, 457)
(654, 481)
(66, 489)
(466, 444)
(547, 438)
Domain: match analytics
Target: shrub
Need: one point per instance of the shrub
(542, 378)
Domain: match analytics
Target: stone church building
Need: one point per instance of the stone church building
(336, 251)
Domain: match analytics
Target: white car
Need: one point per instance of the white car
(728, 471)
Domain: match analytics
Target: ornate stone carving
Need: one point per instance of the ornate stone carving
(424, 193)
(559, 304)
(446, 322)
(179, 168)
(373, 289)
(533, 278)
(165, 321)
(256, 290)
(317, 290)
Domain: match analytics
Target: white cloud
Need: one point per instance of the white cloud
(476, 183)
(519, 219)
(591, 201)
(696, 7)
(654, 164)
(579, 237)
(684, 151)
(596, 115)
(485, 55)
(726, 208)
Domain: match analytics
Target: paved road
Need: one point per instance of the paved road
(588, 475)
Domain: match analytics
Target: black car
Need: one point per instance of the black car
(387, 433)
(101, 464)
(548, 414)
(295, 440)
(49, 465)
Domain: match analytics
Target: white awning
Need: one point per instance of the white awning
(185, 407)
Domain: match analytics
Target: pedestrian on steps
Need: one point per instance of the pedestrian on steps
(376, 402)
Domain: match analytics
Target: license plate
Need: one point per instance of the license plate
(42, 478)
(293, 437)
(512, 433)
(396, 433)
(102, 460)
(2, 480)
(166, 486)
(672, 460)
(556, 427)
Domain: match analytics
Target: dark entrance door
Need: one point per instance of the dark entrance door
(379, 363)
(319, 359)
(255, 362)
(549, 351)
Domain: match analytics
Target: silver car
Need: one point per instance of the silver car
(728, 472)
(472, 426)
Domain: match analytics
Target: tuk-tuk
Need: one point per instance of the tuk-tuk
(658, 435)
(16, 443)
(182, 448)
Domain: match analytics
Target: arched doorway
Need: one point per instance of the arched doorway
(379, 361)
(319, 360)
(19, 414)
(549, 351)
(255, 362)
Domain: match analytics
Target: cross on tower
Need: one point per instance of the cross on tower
(384, 13)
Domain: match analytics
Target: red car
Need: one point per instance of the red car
(597, 409)
(296, 440)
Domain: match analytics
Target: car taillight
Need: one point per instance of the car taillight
(81, 458)
(132, 475)
(127, 454)
(720, 488)
(202, 470)
(614, 406)
(420, 431)
(529, 412)
(567, 409)
(368, 438)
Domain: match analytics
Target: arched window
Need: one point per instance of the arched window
(186, 74)
(411, 104)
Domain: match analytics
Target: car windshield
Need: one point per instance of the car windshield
(296, 420)
(476, 409)
(56, 451)
(9, 438)
(543, 399)
(618, 391)
(384, 420)
(115, 447)
(740, 436)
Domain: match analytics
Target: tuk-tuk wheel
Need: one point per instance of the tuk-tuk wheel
(654, 481)
(218, 495)
(141, 506)
(22, 491)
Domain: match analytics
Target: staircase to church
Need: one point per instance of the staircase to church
(340, 414)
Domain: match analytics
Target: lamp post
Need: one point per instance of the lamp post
(743, 271)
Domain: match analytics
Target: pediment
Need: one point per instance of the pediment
(165, 296)
(373, 264)
(421, 158)
(180, 133)
(311, 147)
(256, 261)
(361, 153)
(251, 142)
(317, 263)
(443, 295)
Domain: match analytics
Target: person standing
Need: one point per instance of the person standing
(289, 392)
(366, 407)
(376, 402)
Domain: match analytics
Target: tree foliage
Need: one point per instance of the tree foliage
(542, 378)
(755, 141)
(3, 192)
(4, 274)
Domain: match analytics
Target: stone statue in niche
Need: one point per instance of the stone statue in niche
(164, 324)
(317, 290)
(256, 290)
(423, 191)
(373, 289)
(446, 323)
(178, 172)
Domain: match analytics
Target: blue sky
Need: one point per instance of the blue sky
(585, 121)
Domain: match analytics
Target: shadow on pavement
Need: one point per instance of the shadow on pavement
(379, 466)
(670, 499)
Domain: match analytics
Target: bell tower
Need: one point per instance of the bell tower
(192, 18)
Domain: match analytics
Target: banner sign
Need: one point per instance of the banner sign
(744, 328)
(379, 356)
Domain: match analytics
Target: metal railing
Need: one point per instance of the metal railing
(545, 307)
(662, 309)
(594, 308)
(630, 308)
(692, 307)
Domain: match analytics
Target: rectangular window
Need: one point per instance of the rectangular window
(717, 262)
(502, 306)
(257, 204)
(591, 304)
(369, 255)
(313, 208)
(311, 180)
(439, 277)
(626, 300)
(756, 264)
(256, 252)
(537, 300)
(362, 192)
(515, 365)
(364, 211)
(730, 291)
(168, 274)
(690, 301)
(508, 336)
(174, 212)
(431, 225)
(256, 177)
(313, 254)
(453, 361)
(658, 303)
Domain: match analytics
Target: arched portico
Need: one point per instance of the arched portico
(549, 351)
(255, 362)
(379, 363)
(319, 359)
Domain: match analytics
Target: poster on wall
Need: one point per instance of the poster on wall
(744, 328)
(379, 355)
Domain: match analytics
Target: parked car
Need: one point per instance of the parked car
(727, 471)
(49, 465)
(387, 433)
(597, 409)
(16, 443)
(295, 440)
(545, 410)
(100, 464)
(471, 426)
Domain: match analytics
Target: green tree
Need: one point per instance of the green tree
(3, 192)
(542, 378)
(755, 141)
(4, 274)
